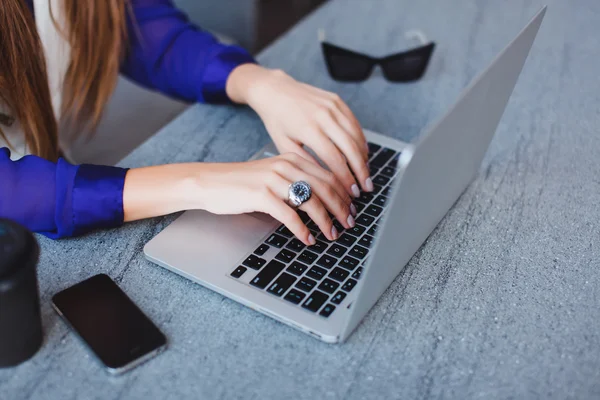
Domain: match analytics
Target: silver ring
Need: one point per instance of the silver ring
(298, 193)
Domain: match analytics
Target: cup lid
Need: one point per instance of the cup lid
(17, 245)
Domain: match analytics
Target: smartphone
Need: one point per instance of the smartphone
(112, 326)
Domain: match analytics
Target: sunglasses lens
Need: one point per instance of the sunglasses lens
(408, 66)
(344, 65)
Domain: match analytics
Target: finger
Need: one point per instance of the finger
(329, 197)
(348, 147)
(334, 159)
(318, 213)
(278, 209)
(346, 117)
(321, 173)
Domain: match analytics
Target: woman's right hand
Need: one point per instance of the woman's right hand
(237, 188)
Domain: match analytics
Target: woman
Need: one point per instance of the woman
(59, 63)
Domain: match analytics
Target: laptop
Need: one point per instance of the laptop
(325, 290)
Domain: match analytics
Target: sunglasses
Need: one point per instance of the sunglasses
(349, 66)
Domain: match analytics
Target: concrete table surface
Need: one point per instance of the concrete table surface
(503, 300)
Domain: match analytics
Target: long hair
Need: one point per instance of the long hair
(97, 33)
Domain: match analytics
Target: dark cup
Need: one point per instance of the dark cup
(20, 321)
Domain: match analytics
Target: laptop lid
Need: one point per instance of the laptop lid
(438, 168)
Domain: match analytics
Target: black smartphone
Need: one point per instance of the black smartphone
(106, 319)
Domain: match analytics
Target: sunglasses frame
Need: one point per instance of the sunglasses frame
(424, 52)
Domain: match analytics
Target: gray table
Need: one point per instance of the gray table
(503, 301)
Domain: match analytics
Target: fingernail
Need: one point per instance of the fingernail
(353, 210)
(351, 221)
(355, 190)
(334, 233)
(369, 185)
(311, 239)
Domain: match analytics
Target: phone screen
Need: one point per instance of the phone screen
(115, 329)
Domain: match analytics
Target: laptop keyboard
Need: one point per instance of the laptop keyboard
(318, 278)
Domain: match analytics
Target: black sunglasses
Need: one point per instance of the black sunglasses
(349, 66)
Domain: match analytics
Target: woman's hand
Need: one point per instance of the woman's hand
(236, 188)
(296, 114)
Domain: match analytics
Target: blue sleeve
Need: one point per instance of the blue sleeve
(168, 53)
(60, 199)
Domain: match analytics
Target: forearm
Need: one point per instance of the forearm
(159, 190)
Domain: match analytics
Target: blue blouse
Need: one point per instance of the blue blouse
(168, 54)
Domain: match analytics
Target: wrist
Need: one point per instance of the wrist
(248, 83)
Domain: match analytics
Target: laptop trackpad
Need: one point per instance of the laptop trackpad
(198, 240)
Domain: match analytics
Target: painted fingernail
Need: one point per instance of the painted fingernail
(311, 239)
(369, 185)
(334, 233)
(353, 210)
(355, 190)
(351, 221)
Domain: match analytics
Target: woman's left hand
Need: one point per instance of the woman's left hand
(297, 114)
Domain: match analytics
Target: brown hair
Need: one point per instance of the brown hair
(96, 31)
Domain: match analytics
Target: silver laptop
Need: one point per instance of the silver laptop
(326, 290)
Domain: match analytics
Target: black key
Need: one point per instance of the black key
(356, 275)
(386, 191)
(262, 249)
(357, 230)
(339, 274)
(349, 263)
(394, 161)
(366, 241)
(254, 262)
(329, 286)
(313, 227)
(336, 250)
(284, 231)
(326, 261)
(295, 245)
(276, 240)
(318, 247)
(376, 188)
(297, 268)
(239, 271)
(340, 228)
(373, 169)
(338, 298)
(373, 210)
(380, 201)
(383, 157)
(388, 171)
(307, 257)
(358, 252)
(306, 284)
(359, 206)
(282, 284)
(316, 272)
(349, 285)
(304, 216)
(381, 180)
(264, 277)
(285, 255)
(365, 220)
(327, 310)
(365, 197)
(294, 296)
(373, 148)
(315, 301)
(346, 239)
(373, 229)
(321, 236)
